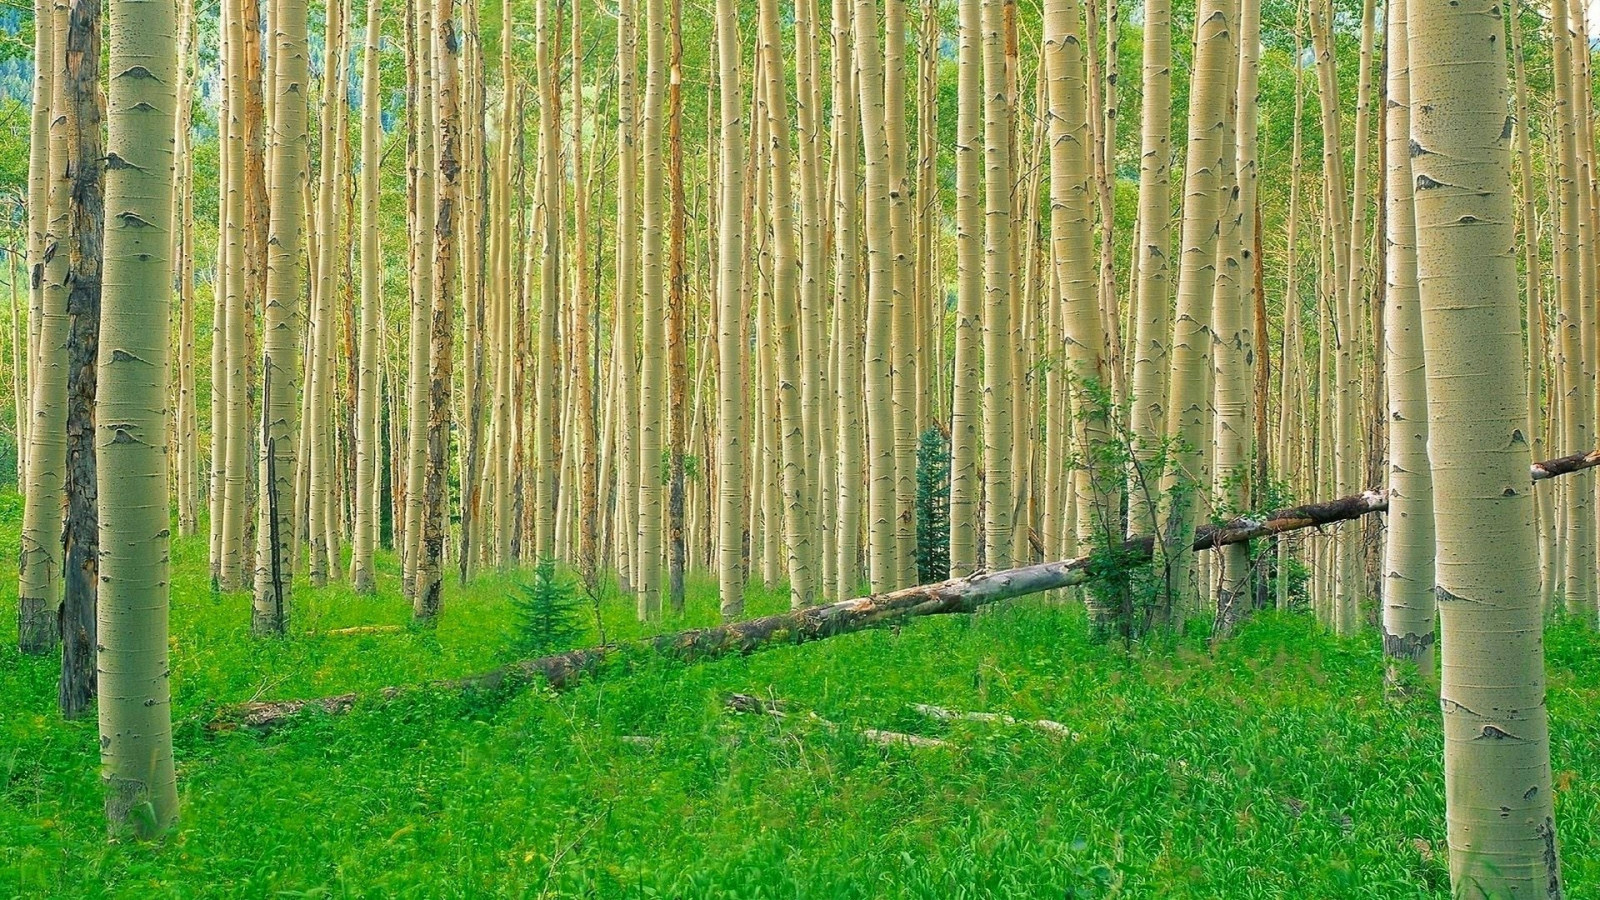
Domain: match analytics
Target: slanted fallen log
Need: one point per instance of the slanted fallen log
(958, 595)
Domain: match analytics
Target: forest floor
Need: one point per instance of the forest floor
(1272, 767)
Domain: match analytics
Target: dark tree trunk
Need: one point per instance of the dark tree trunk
(80, 533)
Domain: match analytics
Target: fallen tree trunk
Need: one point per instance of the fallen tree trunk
(958, 595)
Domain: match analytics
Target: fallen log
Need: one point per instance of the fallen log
(940, 714)
(812, 623)
(746, 703)
(365, 629)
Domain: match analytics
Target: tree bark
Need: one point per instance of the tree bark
(131, 426)
(86, 224)
(1499, 806)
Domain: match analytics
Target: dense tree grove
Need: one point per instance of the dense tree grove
(643, 289)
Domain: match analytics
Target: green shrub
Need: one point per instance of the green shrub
(547, 612)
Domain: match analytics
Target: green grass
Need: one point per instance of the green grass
(1272, 768)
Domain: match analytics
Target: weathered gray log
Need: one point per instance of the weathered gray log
(746, 703)
(958, 595)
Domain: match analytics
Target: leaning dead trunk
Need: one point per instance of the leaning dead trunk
(957, 595)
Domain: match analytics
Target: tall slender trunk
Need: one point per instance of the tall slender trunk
(677, 321)
(796, 492)
(1537, 337)
(654, 337)
(186, 428)
(85, 233)
(583, 341)
(363, 577)
(429, 595)
(627, 274)
(1088, 360)
(902, 329)
(39, 184)
(1152, 327)
(1188, 399)
(319, 422)
(882, 563)
(1408, 603)
(547, 402)
(847, 300)
(997, 325)
(966, 409)
(39, 562)
(731, 333)
(1577, 407)
(130, 442)
(281, 346)
(1233, 320)
(1498, 801)
(425, 198)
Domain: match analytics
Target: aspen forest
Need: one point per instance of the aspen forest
(818, 448)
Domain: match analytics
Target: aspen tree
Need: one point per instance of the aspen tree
(1102, 133)
(1191, 340)
(654, 338)
(425, 198)
(1088, 366)
(130, 442)
(1152, 331)
(80, 81)
(628, 246)
(902, 334)
(1349, 584)
(1232, 320)
(677, 352)
(546, 402)
(997, 326)
(796, 495)
(318, 425)
(430, 576)
(187, 461)
(1408, 601)
(281, 344)
(967, 403)
(1577, 406)
(39, 184)
(583, 398)
(221, 389)
(362, 575)
(847, 300)
(1548, 563)
(475, 227)
(39, 562)
(20, 360)
(731, 335)
(882, 550)
(808, 177)
(1292, 440)
(1498, 800)
(503, 250)
(826, 513)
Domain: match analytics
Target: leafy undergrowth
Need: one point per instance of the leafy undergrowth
(1271, 768)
